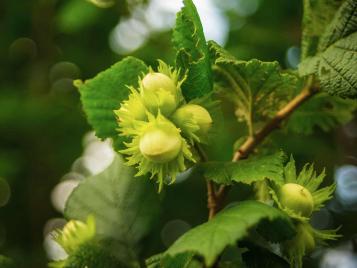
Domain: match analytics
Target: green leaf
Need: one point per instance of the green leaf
(337, 69)
(246, 171)
(258, 89)
(104, 93)
(308, 66)
(343, 24)
(192, 52)
(317, 15)
(335, 64)
(219, 55)
(124, 206)
(182, 260)
(208, 240)
(322, 111)
(266, 258)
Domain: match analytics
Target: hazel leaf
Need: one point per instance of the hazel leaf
(344, 23)
(233, 224)
(246, 171)
(317, 15)
(321, 111)
(257, 89)
(125, 207)
(335, 63)
(337, 70)
(182, 260)
(192, 52)
(103, 94)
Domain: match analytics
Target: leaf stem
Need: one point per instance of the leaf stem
(253, 141)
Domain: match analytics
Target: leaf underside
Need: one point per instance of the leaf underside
(124, 206)
(317, 15)
(335, 62)
(258, 89)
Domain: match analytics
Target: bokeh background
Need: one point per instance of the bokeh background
(46, 146)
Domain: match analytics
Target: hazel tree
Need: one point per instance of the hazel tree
(162, 122)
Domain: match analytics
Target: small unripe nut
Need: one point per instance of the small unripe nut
(135, 108)
(297, 198)
(155, 81)
(76, 233)
(159, 92)
(199, 114)
(160, 145)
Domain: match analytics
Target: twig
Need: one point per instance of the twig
(211, 193)
(211, 200)
(253, 141)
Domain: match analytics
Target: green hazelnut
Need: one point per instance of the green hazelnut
(90, 254)
(75, 233)
(160, 100)
(155, 81)
(135, 108)
(297, 198)
(159, 92)
(160, 145)
(196, 112)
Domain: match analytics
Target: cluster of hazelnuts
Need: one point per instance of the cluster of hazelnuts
(160, 125)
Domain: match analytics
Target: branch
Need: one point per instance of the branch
(252, 142)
